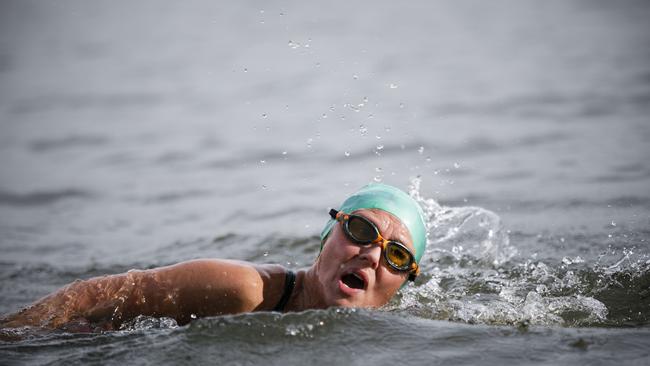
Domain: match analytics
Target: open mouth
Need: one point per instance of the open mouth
(353, 281)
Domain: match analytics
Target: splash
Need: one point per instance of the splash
(142, 322)
(472, 273)
(459, 230)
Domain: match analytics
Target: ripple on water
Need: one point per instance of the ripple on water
(42, 198)
(336, 336)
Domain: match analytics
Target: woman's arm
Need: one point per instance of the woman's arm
(194, 288)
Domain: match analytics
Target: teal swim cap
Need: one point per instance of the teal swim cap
(393, 201)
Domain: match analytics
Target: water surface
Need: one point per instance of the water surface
(142, 134)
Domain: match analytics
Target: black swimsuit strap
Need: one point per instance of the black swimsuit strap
(289, 283)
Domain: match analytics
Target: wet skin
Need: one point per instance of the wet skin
(209, 287)
(204, 287)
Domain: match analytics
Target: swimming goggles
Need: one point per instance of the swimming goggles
(362, 231)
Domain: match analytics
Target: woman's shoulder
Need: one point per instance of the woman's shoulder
(256, 286)
(235, 270)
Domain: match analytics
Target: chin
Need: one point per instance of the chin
(343, 302)
(352, 303)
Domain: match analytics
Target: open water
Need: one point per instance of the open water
(140, 134)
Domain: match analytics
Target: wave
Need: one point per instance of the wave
(48, 145)
(474, 274)
(42, 198)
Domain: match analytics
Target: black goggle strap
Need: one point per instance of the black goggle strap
(337, 215)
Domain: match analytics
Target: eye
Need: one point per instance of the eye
(398, 255)
(361, 230)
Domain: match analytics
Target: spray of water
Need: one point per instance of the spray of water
(472, 273)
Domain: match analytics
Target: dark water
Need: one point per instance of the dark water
(339, 337)
(141, 134)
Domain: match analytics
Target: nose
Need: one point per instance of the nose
(372, 254)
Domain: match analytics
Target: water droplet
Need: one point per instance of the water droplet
(377, 179)
(245, 69)
(323, 116)
(378, 169)
(262, 162)
(387, 129)
(613, 223)
(393, 86)
(421, 149)
(457, 165)
(578, 259)
(401, 105)
(355, 77)
(380, 147)
(266, 254)
(363, 130)
(428, 159)
(193, 316)
(264, 115)
(264, 187)
(284, 153)
(378, 137)
(347, 153)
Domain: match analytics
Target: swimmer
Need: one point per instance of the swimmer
(370, 247)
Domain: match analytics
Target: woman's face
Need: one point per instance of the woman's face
(353, 275)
